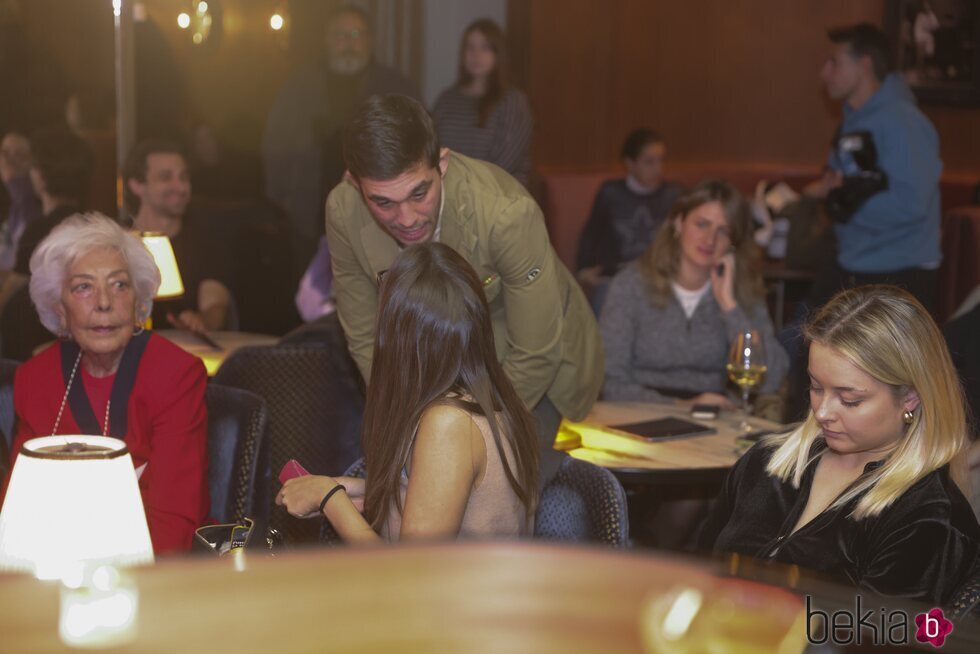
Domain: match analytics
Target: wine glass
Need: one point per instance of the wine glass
(746, 368)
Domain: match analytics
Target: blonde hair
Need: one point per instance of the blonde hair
(661, 261)
(885, 332)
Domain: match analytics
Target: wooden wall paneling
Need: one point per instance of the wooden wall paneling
(726, 82)
(569, 74)
(519, 40)
(959, 138)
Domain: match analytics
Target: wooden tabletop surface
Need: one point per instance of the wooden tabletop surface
(515, 597)
(592, 440)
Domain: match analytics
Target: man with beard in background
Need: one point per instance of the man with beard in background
(301, 144)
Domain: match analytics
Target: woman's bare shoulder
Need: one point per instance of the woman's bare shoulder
(445, 418)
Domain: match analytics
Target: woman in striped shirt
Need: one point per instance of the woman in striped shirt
(481, 115)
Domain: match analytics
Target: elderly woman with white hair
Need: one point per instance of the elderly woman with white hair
(93, 285)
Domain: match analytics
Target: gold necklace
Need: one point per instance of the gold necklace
(64, 400)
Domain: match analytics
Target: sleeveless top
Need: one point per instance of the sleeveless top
(493, 509)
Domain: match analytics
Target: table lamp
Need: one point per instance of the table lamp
(171, 285)
(72, 501)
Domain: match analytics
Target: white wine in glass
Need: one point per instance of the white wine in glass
(746, 368)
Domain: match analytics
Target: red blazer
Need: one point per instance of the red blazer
(166, 428)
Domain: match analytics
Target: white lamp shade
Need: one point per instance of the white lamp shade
(65, 508)
(171, 285)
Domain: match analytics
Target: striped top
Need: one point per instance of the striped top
(504, 141)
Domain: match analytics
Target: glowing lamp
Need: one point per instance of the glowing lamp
(72, 501)
(171, 285)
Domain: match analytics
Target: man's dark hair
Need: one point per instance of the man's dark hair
(866, 40)
(136, 166)
(637, 140)
(390, 135)
(64, 160)
(337, 12)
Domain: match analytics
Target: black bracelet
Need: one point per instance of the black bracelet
(326, 498)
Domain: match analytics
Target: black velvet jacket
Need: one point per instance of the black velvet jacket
(921, 547)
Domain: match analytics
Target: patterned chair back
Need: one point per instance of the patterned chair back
(314, 409)
(966, 600)
(238, 464)
(583, 503)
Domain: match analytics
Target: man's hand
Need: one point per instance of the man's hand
(820, 188)
(589, 277)
(189, 320)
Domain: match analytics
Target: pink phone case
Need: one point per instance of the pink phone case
(290, 470)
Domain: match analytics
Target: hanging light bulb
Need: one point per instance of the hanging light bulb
(280, 24)
(199, 20)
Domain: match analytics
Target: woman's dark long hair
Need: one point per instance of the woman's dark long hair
(434, 345)
(497, 82)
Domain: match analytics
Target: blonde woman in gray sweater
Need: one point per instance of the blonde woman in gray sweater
(670, 317)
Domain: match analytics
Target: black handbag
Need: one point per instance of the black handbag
(222, 539)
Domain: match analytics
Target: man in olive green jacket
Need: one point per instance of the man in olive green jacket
(402, 189)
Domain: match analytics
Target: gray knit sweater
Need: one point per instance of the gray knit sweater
(506, 138)
(648, 347)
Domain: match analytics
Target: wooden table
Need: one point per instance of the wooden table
(222, 344)
(519, 597)
(690, 459)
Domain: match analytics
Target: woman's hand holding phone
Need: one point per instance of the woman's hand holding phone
(723, 281)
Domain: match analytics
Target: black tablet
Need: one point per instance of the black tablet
(664, 429)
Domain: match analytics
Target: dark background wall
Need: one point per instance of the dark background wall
(67, 45)
(731, 82)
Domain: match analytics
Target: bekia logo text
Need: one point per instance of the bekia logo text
(881, 627)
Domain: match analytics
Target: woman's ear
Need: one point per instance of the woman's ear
(62, 320)
(911, 401)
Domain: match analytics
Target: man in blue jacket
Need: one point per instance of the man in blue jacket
(882, 182)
